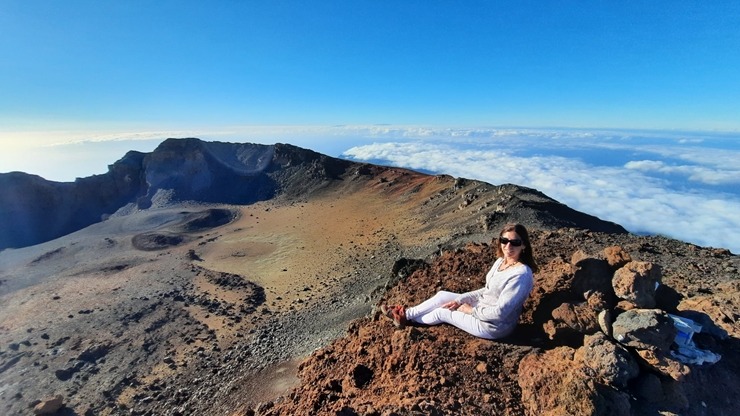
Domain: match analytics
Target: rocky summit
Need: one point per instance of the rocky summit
(243, 279)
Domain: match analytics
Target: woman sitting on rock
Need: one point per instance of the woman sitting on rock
(492, 311)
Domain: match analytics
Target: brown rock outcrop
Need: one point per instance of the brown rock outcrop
(616, 257)
(661, 362)
(591, 274)
(636, 282)
(580, 317)
(556, 382)
(716, 307)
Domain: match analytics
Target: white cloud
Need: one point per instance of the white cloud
(726, 175)
(645, 165)
(684, 141)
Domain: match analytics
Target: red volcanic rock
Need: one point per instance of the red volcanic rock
(661, 362)
(597, 300)
(556, 382)
(716, 309)
(616, 257)
(440, 370)
(636, 282)
(579, 317)
(552, 287)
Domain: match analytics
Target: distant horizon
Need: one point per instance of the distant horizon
(314, 137)
(678, 184)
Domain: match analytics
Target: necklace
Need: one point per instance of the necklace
(505, 265)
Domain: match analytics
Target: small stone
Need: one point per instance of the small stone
(49, 406)
(605, 322)
(482, 368)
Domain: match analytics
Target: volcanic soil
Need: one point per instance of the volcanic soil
(270, 308)
(176, 308)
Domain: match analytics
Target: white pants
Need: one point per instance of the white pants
(431, 312)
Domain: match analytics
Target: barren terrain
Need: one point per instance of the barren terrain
(186, 307)
(124, 310)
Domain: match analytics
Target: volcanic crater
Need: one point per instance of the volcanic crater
(251, 285)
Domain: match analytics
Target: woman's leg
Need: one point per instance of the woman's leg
(464, 321)
(439, 299)
(430, 312)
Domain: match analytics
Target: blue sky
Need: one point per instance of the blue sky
(567, 90)
(86, 65)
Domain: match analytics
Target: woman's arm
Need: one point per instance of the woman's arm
(512, 297)
(470, 297)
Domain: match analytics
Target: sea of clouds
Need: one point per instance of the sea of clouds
(681, 185)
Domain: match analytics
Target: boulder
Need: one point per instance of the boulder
(591, 274)
(49, 406)
(717, 309)
(540, 376)
(579, 317)
(611, 362)
(554, 277)
(556, 382)
(598, 301)
(616, 257)
(636, 282)
(552, 287)
(625, 305)
(644, 329)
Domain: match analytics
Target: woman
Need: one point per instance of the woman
(492, 311)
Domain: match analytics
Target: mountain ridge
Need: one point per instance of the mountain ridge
(36, 210)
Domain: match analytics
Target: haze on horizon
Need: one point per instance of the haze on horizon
(550, 86)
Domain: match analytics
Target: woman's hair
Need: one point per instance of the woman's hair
(526, 257)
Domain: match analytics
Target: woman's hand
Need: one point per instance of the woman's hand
(451, 305)
(462, 307)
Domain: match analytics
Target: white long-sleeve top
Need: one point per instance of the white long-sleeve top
(500, 302)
